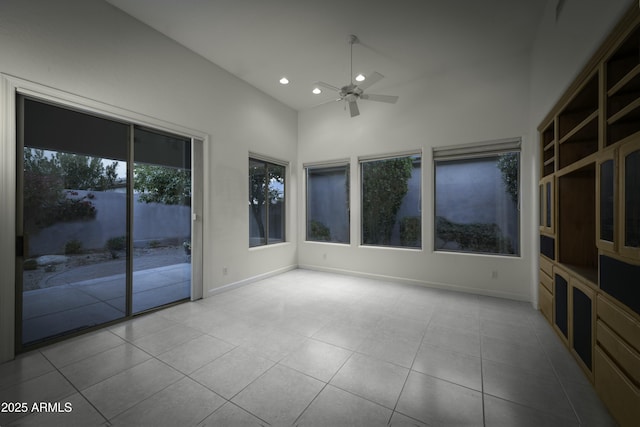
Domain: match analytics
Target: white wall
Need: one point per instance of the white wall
(480, 102)
(91, 49)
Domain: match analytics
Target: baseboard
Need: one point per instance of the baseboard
(249, 280)
(427, 284)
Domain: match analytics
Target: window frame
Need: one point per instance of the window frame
(268, 161)
(479, 150)
(391, 156)
(346, 164)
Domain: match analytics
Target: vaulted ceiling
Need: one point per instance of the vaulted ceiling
(261, 41)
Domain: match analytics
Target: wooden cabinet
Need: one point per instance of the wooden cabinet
(589, 196)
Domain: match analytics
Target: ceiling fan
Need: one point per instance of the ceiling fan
(352, 92)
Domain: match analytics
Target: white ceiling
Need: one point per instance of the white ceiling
(260, 41)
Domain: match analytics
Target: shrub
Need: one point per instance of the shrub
(117, 243)
(410, 231)
(73, 247)
(474, 237)
(30, 264)
(318, 231)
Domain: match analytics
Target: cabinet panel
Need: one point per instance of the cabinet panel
(582, 319)
(606, 188)
(545, 300)
(547, 204)
(546, 266)
(546, 281)
(621, 280)
(561, 301)
(630, 199)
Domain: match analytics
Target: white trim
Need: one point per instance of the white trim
(249, 280)
(415, 282)
(7, 219)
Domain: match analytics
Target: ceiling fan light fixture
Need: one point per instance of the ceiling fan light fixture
(316, 91)
(284, 81)
(360, 78)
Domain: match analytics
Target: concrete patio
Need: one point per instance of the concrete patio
(87, 302)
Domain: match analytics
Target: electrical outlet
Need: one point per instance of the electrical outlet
(224, 271)
(324, 256)
(494, 274)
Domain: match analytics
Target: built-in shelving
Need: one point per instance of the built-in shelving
(549, 150)
(578, 128)
(623, 90)
(590, 219)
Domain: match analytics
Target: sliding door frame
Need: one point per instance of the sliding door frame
(10, 309)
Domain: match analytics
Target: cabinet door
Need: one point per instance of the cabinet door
(630, 199)
(561, 302)
(582, 323)
(547, 204)
(606, 186)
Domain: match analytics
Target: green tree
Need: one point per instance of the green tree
(43, 188)
(160, 184)
(85, 172)
(385, 183)
(264, 183)
(47, 176)
(509, 165)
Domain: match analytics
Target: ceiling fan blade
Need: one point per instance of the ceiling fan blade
(391, 99)
(327, 86)
(353, 109)
(372, 79)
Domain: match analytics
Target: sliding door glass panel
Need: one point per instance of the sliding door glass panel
(161, 219)
(73, 219)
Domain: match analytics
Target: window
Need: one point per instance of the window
(328, 203)
(477, 192)
(266, 202)
(391, 202)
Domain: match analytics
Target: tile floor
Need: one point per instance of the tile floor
(312, 349)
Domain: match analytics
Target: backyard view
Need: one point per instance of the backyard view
(75, 228)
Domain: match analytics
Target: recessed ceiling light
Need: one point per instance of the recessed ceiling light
(284, 81)
(360, 78)
(316, 91)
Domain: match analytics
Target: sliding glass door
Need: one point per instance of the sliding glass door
(103, 220)
(161, 219)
